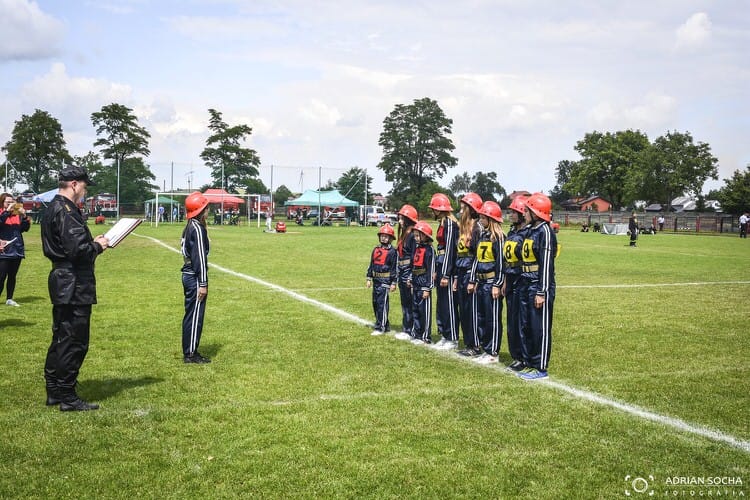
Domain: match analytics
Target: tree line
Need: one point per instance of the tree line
(623, 166)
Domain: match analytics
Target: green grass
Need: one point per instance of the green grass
(302, 403)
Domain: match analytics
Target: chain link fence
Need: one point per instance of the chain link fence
(673, 222)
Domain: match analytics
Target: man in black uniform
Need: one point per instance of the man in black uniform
(67, 242)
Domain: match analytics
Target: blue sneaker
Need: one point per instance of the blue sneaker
(532, 374)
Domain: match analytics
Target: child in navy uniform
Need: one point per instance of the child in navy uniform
(407, 217)
(421, 283)
(382, 272)
(512, 260)
(537, 287)
(486, 281)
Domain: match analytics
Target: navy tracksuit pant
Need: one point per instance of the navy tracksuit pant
(381, 306)
(513, 310)
(467, 309)
(192, 322)
(536, 324)
(422, 309)
(446, 313)
(489, 322)
(406, 307)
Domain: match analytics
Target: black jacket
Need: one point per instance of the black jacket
(67, 242)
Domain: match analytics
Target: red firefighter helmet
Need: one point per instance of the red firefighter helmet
(540, 205)
(409, 212)
(424, 228)
(518, 204)
(195, 203)
(441, 203)
(386, 229)
(492, 210)
(473, 200)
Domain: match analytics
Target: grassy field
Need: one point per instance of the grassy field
(301, 402)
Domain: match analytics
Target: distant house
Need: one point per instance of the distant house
(689, 204)
(590, 204)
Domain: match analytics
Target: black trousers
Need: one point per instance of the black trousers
(9, 270)
(70, 343)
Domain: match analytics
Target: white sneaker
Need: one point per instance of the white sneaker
(418, 342)
(485, 359)
(439, 344)
(377, 332)
(11, 302)
(447, 345)
(402, 336)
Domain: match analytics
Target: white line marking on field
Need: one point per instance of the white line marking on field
(579, 393)
(654, 285)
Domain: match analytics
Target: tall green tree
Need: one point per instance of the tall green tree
(281, 195)
(610, 166)
(460, 184)
(416, 147)
(487, 186)
(225, 155)
(139, 186)
(36, 151)
(119, 134)
(124, 142)
(92, 162)
(734, 196)
(255, 186)
(677, 166)
(352, 184)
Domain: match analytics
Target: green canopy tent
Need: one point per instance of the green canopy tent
(320, 199)
(151, 206)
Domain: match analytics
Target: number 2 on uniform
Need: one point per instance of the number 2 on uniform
(379, 256)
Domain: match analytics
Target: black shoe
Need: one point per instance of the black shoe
(516, 366)
(78, 405)
(470, 352)
(197, 359)
(52, 401)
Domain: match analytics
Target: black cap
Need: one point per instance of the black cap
(75, 173)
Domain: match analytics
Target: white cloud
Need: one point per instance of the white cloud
(321, 113)
(72, 99)
(26, 32)
(655, 111)
(696, 31)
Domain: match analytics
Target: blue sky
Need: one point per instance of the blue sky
(522, 80)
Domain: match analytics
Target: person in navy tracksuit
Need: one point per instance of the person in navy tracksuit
(447, 237)
(381, 277)
(195, 248)
(421, 282)
(468, 233)
(537, 286)
(512, 270)
(486, 282)
(407, 217)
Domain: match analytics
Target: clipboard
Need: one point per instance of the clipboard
(119, 231)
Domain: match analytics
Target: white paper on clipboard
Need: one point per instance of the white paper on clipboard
(120, 230)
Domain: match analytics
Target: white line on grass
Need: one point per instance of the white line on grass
(656, 285)
(579, 393)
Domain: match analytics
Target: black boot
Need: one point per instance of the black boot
(77, 404)
(53, 398)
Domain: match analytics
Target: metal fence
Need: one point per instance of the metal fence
(681, 222)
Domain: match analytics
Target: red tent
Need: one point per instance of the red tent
(216, 196)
